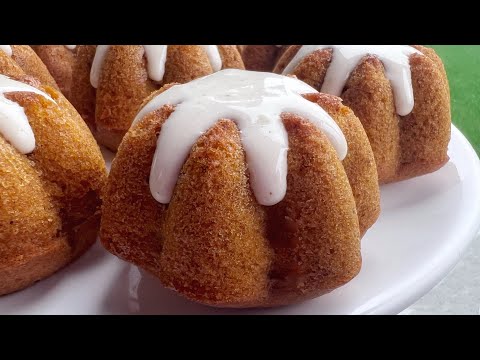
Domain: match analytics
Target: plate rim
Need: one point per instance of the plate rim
(429, 280)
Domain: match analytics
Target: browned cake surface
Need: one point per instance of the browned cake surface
(359, 163)
(9, 67)
(403, 147)
(215, 244)
(31, 64)
(50, 199)
(260, 57)
(124, 82)
(59, 61)
(82, 94)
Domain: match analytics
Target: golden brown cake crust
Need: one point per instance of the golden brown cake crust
(32, 65)
(9, 67)
(82, 93)
(59, 60)
(50, 203)
(231, 57)
(260, 57)
(359, 164)
(214, 243)
(403, 147)
(124, 82)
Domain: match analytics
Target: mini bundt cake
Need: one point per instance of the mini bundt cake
(400, 94)
(261, 57)
(107, 83)
(51, 176)
(237, 190)
(25, 58)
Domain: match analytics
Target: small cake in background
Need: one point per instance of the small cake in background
(261, 57)
(107, 83)
(400, 94)
(51, 177)
(242, 189)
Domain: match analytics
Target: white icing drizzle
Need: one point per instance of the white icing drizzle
(71, 47)
(254, 101)
(156, 57)
(14, 126)
(100, 54)
(345, 58)
(213, 56)
(7, 49)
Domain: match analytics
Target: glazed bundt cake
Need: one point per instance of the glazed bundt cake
(24, 57)
(261, 57)
(107, 83)
(400, 94)
(51, 176)
(237, 190)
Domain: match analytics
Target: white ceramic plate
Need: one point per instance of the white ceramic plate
(425, 226)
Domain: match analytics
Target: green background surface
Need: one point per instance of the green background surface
(463, 69)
